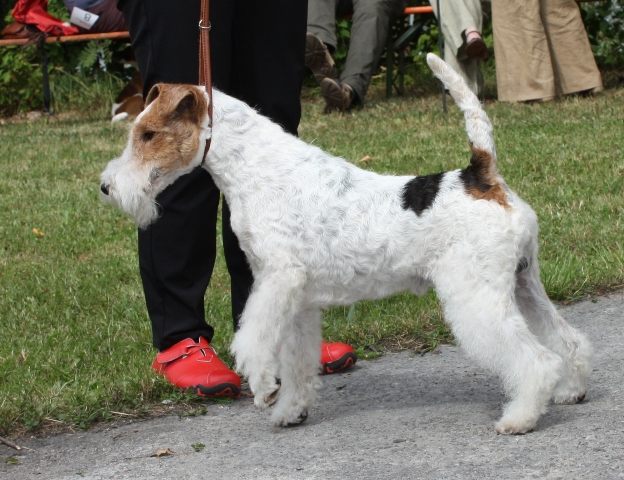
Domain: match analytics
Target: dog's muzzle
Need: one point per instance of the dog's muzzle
(104, 188)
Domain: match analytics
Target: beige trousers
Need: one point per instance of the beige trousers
(457, 16)
(541, 50)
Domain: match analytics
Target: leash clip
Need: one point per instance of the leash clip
(201, 27)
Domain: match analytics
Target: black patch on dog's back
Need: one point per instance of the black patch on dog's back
(420, 192)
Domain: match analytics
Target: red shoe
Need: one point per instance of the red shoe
(336, 357)
(191, 365)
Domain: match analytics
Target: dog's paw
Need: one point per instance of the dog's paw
(506, 428)
(292, 421)
(570, 391)
(513, 425)
(271, 398)
(267, 396)
(519, 419)
(568, 398)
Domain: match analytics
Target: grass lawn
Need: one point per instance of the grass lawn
(76, 340)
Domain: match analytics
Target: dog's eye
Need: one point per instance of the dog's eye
(147, 136)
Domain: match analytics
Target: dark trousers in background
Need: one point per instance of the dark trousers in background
(257, 54)
(369, 32)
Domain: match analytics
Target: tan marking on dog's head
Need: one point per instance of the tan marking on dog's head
(167, 135)
(480, 178)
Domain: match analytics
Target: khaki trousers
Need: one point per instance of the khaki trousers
(541, 49)
(457, 16)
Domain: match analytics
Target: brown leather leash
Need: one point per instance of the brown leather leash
(205, 75)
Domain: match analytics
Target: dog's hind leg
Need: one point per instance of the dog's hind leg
(482, 313)
(272, 305)
(554, 332)
(299, 358)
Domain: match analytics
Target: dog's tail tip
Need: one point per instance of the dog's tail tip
(441, 70)
(435, 62)
(454, 82)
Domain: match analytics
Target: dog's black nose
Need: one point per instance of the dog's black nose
(104, 189)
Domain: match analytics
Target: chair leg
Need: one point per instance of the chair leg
(389, 62)
(46, 77)
(401, 72)
(441, 47)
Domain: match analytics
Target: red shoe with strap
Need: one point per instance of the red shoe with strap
(195, 366)
(336, 357)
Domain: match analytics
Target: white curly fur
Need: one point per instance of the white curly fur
(318, 231)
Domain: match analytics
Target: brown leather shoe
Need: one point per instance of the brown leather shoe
(338, 96)
(318, 59)
(476, 47)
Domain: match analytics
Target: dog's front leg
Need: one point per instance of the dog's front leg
(270, 309)
(299, 359)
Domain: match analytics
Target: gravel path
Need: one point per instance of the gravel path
(399, 416)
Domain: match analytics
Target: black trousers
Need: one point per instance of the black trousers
(257, 50)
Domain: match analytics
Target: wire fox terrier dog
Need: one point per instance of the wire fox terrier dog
(318, 231)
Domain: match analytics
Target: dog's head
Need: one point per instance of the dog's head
(166, 141)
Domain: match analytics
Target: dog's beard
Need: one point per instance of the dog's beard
(134, 192)
(143, 210)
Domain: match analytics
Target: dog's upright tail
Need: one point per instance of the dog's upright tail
(478, 124)
(481, 178)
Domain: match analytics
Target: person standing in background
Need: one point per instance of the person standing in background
(464, 48)
(257, 55)
(542, 50)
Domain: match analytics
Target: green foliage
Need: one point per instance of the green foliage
(20, 83)
(343, 38)
(78, 80)
(6, 7)
(605, 27)
(427, 42)
(89, 62)
(89, 93)
(57, 9)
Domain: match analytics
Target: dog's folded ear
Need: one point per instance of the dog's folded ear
(179, 101)
(192, 106)
(153, 94)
